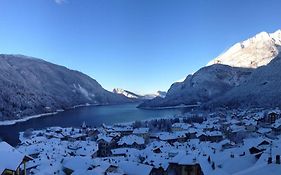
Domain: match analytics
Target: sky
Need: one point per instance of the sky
(138, 45)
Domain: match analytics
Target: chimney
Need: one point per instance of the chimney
(213, 166)
(277, 159)
(269, 161)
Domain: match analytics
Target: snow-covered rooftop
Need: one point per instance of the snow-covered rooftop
(10, 158)
(130, 140)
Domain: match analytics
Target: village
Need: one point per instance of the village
(220, 143)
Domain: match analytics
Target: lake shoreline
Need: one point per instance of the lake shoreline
(93, 116)
(169, 107)
(26, 118)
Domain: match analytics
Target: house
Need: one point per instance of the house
(276, 127)
(132, 141)
(78, 136)
(250, 125)
(11, 160)
(83, 148)
(123, 167)
(123, 130)
(214, 136)
(184, 164)
(180, 126)
(142, 132)
(158, 171)
(225, 125)
(256, 151)
(277, 130)
(269, 118)
(272, 117)
(264, 131)
(202, 136)
(264, 144)
(134, 168)
(114, 169)
(171, 137)
(191, 133)
(84, 165)
(237, 133)
(226, 144)
(158, 147)
(93, 133)
(104, 145)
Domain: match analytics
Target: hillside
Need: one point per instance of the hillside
(207, 83)
(31, 86)
(261, 89)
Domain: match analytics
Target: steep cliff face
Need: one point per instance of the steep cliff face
(32, 86)
(206, 84)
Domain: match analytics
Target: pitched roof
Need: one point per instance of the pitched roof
(133, 168)
(130, 140)
(10, 157)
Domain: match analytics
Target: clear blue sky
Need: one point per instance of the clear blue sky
(139, 45)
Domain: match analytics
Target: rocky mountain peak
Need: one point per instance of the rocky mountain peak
(253, 52)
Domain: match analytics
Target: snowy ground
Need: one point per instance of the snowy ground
(12, 122)
(222, 144)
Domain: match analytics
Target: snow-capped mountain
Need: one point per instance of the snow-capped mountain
(161, 94)
(32, 86)
(133, 95)
(126, 93)
(230, 75)
(251, 53)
